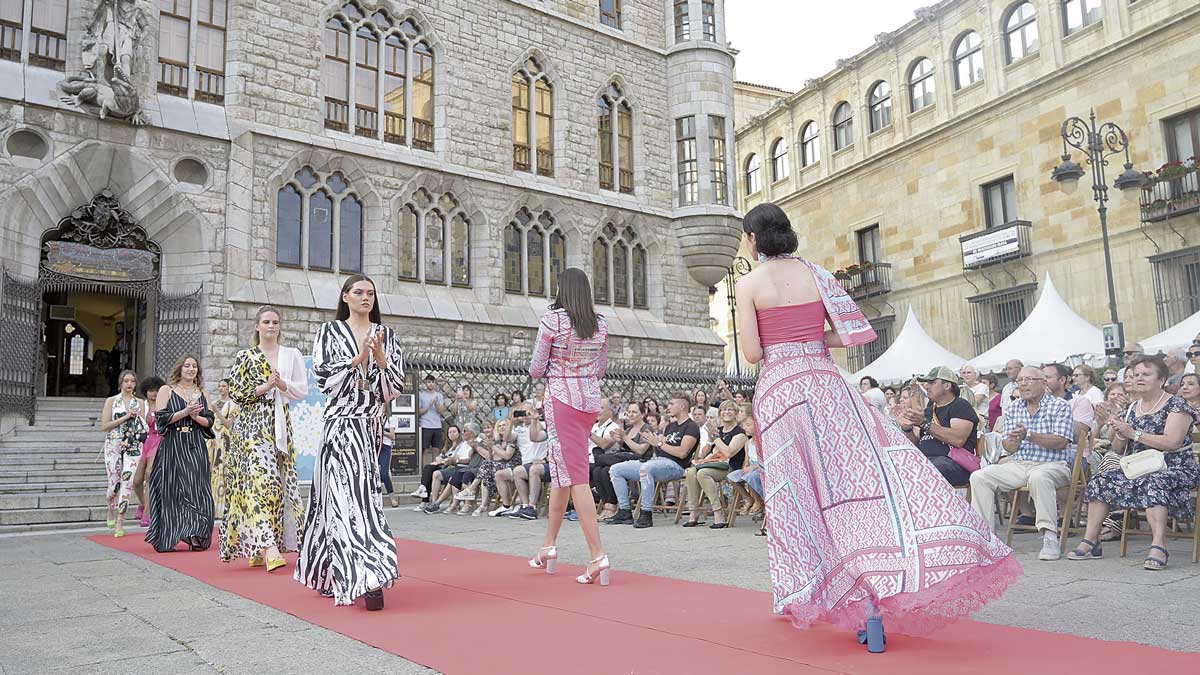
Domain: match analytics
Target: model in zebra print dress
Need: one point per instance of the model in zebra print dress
(348, 549)
(181, 500)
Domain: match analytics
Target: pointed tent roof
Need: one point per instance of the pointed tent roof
(912, 352)
(1052, 332)
(1179, 335)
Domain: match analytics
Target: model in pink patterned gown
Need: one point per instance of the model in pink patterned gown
(861, 523)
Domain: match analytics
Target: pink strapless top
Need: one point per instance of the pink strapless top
(792, 323)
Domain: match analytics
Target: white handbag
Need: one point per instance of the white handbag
(1143, 463)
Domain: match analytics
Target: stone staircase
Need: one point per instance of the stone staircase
(52, 474)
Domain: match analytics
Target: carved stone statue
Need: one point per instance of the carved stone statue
(106, 88)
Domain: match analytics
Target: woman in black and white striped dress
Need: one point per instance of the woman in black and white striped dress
(348, 548)
(181, 501)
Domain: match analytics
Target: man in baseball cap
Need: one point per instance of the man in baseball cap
(949, 422)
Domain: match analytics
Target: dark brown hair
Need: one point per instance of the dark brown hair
(177, 371)
(575, 296)
(1154, 361)
(343, 310)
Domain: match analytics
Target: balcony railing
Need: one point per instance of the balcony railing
(520, 157)
(210, 85)
(606, 176)
(10, 41)
(1174, 196)
(49, 49)
(545, 165)
(869, 283)
(996, 245)
(366, 121)
(422, 134)
(172, 77)
(626, 181)
(393, 128)
(337, 114)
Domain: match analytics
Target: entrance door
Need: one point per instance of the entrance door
(90, 338)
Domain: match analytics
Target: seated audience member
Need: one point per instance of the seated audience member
(465, 482)
(1154, 420)
(1081, 384)
(504, 457)
(672, 455)
(995, 407)
(1189, 390)
(726, 452)
(872, 394)
(949, 421)
(1103, 457)
(444, 480)
(1038, 433)
(751, 472)
(432, 471)
(631, 447)
(533, 473)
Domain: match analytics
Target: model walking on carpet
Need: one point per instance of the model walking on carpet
(126, 431)
(571, 353)
(263, 511)
(347, 549)
(862, 527)
(181, 501)
(225, 413)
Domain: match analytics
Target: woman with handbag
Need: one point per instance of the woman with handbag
(1157, 470)
(727, 452)
(181, 501)
(629, 435)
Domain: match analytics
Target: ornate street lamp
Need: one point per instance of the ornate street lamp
(1098, 143)
(740, 267)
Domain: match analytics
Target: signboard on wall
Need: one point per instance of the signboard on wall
(99, 264)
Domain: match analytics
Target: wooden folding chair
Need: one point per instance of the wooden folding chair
(660, 496)
(680, 505)
(1070, 512)
(740, 493)
(1175, 530)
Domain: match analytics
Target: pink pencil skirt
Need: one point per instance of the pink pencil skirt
(568, 430)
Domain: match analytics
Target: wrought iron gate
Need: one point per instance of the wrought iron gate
(20, 344)
(179, 325)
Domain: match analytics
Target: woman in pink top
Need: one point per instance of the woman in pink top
(149, 390)
(862, 526)
(571, 353)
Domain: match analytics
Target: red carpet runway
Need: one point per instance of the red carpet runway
(640, 625)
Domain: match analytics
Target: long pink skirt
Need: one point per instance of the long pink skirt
(568, 430)
(857, 515)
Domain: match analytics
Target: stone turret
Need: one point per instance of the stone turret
(700, 94)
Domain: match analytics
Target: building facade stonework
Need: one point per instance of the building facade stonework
(387, 128)
(943, 135)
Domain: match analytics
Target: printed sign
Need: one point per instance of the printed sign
(990, 246)
(100, 264)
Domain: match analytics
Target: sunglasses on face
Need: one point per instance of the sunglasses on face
(1110, 379)
(1192, 355)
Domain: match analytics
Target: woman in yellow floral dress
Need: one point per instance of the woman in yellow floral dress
(263, 512)
(225, 411)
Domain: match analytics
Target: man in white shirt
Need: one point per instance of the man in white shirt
(1011, 370)
(601, 439)
(530, 438)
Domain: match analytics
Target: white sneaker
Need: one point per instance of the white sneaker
(499, 512)
(478, 511)
(464, 496)
(419, 507)
(419, 492)
(1051, 550)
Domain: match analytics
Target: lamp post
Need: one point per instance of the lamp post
(1098, 143)
(740, 267)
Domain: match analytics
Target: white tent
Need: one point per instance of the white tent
(1177, 336)
(912, 353)
(1052, 333)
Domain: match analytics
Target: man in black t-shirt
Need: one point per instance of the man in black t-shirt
(672, 456)
(948, 422)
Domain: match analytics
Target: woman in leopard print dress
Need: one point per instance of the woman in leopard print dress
(263, 512)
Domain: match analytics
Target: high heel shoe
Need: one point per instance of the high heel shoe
(546, 558)
(256, 561)
(875, 637)
(374, 600)
(275, 563)
(602, 571)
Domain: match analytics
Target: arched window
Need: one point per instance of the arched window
(843, 126)
(289, 234)
(968, 60)
(400, 53)
(335, 75)
(350, 240)
(535, 254)
(1080, 13)
(920, 85)
(779, 160)
(880, 103)
(622, 255)
(615, 131)
(753, 175)
(532, 93)
(406, 235)
(1020, 32)
(319, 223)
(810, 144)
(434, 240)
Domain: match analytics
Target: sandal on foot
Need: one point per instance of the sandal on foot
(1154, 564)
(1094, 551)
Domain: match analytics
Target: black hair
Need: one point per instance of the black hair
(773, 233)
(343, 310)
(954, 389)
(152, 383)
(1064, 373)
(430, 378)
(872, 381)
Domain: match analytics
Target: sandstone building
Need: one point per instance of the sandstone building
(166, 168)
(930, 154)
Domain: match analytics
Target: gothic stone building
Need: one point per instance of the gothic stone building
(930, 154)
(167, 168)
